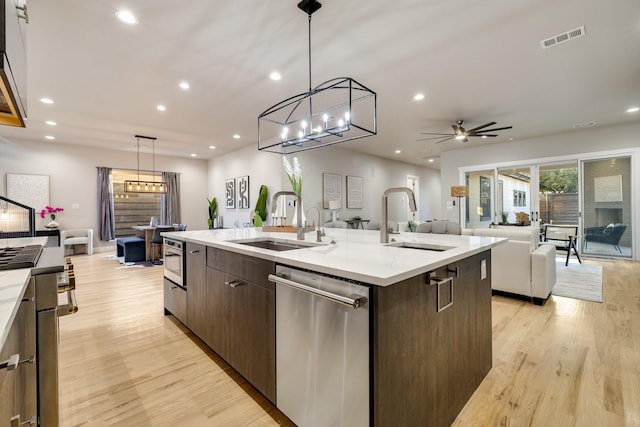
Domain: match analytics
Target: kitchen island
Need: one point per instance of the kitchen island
(428, 328)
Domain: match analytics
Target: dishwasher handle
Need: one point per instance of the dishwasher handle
(351, 302)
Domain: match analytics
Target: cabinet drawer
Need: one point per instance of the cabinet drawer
(175, 300)
(251, 269)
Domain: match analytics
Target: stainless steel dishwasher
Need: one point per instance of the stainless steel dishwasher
(322, 349)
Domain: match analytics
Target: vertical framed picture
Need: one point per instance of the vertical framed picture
(331, 188)
(243, 192)
(354, 192)
(230, 193)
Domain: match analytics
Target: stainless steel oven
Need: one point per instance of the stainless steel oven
(174, 261)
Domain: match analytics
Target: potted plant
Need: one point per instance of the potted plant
(504, 217)
(213, 212)
(261, 207)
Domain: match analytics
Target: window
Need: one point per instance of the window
(133, 208)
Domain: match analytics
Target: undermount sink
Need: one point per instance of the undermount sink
(275, 244)
(421, 246)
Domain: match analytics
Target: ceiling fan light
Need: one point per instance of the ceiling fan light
(460, 137)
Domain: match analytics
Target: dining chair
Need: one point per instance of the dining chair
(156, 240)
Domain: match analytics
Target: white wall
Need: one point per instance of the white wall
(73, 179)
(262, 168)
(579, 144)
(378, 174)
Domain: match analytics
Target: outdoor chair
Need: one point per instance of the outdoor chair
(610, 234)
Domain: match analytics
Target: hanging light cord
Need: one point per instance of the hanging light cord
(138, 157)
(309, 52)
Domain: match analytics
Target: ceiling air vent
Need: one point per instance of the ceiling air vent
(561, 38)
(583, 125)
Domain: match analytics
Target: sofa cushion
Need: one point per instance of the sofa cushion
(515, 234)
(424, 227)
(439, 227)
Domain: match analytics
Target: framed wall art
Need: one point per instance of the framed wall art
(230, 193)
(243, 192)
(30, 190)
(354, 192)
(331, 188)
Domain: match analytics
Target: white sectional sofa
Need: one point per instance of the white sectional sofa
(435, 227)
(520, 266)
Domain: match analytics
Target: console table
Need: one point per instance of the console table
(357, 223)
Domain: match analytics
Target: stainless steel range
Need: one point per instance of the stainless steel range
(19, 257)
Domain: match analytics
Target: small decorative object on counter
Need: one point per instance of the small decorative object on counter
(51, 211)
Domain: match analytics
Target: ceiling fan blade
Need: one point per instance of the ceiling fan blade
(495, 129)
(429, 133)
(446, 139)
(480, 127)
(435, 137)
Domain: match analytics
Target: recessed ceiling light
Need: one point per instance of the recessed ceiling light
(50, 137)
(46, 100)
(184, 85)
(161, 108)
(275, 76)
(397, 151)
(418, 97)
(633, 110)
(431, 160)
(484, 136)
(51, 123)
(126, 17)
(194, 155)
(213, 147)
(236, 136)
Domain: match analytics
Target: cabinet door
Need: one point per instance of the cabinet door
(218, 302)
(196, 285)
(253, 344)
(461, 321)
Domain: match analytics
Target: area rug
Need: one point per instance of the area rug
(580, 281)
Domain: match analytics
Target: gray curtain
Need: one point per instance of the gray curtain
(106, 216)
(170, 206)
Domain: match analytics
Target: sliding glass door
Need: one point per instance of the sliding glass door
(479, 206)
(559, 200)
(607, 207)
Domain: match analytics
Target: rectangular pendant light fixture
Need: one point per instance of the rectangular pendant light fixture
(151, 186)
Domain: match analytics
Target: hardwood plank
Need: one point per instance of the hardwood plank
(569, 362)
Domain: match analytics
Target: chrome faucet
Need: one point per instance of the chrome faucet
(274, 205)
(319, 232)
(384, 230)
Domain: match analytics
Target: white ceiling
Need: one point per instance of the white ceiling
(474, 60)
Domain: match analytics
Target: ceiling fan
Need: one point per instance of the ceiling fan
(461, 133)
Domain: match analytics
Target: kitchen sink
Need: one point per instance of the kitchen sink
(422, 246)
(275, 244)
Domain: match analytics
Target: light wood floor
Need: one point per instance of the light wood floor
(122, 362)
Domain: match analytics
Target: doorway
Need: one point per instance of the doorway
(607, 207)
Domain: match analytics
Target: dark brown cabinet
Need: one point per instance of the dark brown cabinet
(240, 316)
(196, 285)
(427, 363)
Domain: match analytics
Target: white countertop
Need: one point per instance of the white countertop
(356, 254)
(13, 283)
